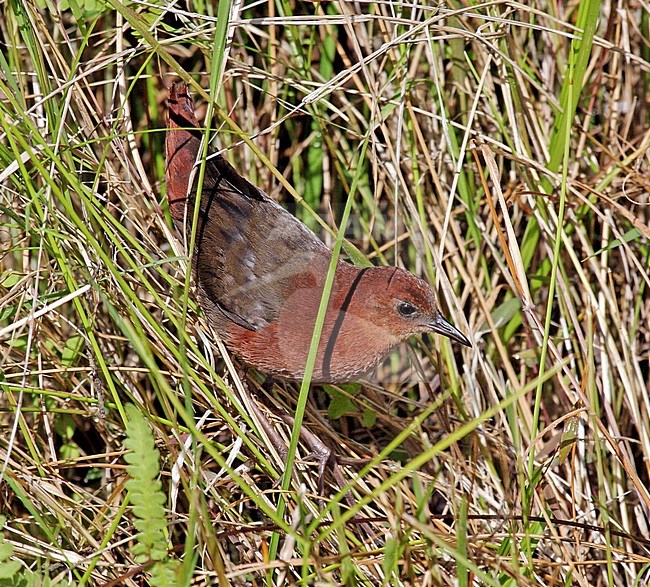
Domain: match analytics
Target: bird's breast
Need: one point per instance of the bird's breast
(351, 341)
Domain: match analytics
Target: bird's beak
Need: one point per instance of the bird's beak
(441, 326)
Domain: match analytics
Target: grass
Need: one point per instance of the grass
(498, 150)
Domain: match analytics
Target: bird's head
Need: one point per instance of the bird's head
(406, 304)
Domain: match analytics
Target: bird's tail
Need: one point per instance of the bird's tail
(182, 145)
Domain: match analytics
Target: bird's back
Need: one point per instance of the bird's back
(248, 251)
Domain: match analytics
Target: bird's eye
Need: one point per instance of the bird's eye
(406, 309)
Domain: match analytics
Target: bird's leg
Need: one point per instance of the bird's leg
(323, 454)
(325, 457)
(271, 432)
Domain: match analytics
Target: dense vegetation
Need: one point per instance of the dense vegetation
(498, 150)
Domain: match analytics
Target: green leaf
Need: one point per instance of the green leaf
(10, 278)
(506, 311)
(569, 437)
(147, 497)
(356, 256)
(369, 418)
(340, 406)
(9, 568)
(390, 558)
(630, 235)
(72, 349)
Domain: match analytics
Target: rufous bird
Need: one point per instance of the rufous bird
(260, 273)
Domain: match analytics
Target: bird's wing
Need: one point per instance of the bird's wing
(249, 252)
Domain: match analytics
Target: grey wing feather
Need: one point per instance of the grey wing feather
(248, 248)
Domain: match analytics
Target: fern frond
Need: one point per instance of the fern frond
(148, 499)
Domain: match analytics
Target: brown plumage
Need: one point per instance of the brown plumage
(260, 274)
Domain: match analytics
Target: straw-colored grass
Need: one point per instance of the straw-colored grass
(498, 150)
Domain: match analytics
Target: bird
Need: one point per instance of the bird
(259, 273)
